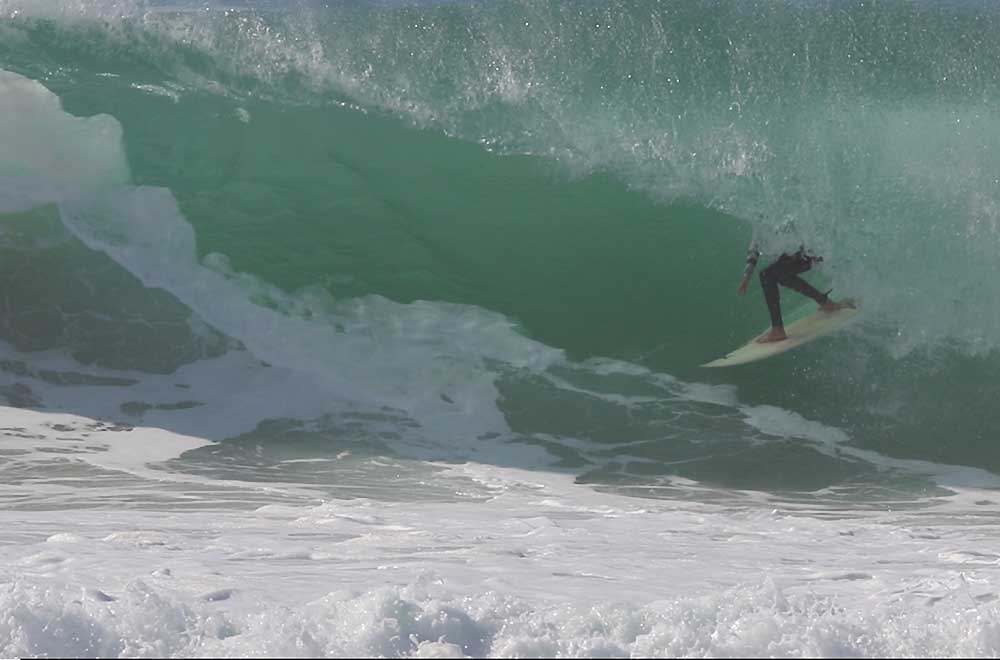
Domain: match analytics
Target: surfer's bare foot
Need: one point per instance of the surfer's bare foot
(774, 334)
(831, 306)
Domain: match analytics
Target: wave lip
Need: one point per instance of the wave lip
(51, 155)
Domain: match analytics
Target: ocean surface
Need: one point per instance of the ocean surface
(373, 328)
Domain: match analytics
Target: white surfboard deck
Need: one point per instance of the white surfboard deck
(800, 332)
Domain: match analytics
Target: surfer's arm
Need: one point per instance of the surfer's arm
(753, 254)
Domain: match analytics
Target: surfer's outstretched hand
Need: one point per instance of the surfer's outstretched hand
(742, 288)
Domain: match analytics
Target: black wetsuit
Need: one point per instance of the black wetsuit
(785, 271)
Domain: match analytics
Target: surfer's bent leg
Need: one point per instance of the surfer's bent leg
(800, 263)
(796, 283)
(785, 271)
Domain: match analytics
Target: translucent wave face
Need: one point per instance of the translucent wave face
(870, 126)
(427, 358)
(869, 164)
(457, 379)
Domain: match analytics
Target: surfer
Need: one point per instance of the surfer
(784, 270)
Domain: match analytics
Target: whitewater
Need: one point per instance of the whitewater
(373, 329)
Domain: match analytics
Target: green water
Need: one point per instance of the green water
(594, 172)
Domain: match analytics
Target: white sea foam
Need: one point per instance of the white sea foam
(543, 568)
(50, 155)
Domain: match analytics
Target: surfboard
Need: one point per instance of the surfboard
(799, 332)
